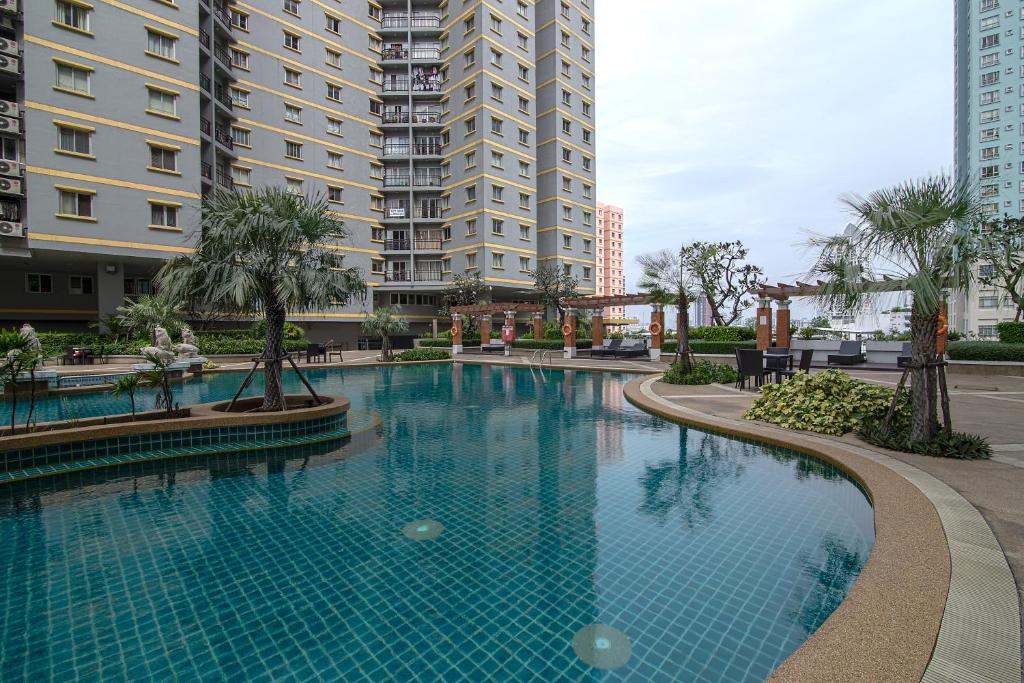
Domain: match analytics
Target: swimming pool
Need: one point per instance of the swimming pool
(480, 532)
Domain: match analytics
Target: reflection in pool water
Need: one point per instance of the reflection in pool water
(488, 522)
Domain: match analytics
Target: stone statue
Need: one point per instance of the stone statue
(188, 347)
(29, 334)
(162, 349)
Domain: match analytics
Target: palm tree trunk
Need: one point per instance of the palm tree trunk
(922, 332)
(273, 391)
(683, 334)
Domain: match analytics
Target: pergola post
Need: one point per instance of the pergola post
(764, 323)
(942, 332)
(485, 329)
(657, 330)
(510, 321)
(538, 325)
(597, 328)
(782, 335)
(569, 334)
(456, 333)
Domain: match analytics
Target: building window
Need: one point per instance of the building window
(497, 160)
(988, 331)
(524, 200)
(471, 227)
(567, 155)
(239, 20)
(470, 261)
(470, 158)
(292, 149)
(588, 191)
(989, 79)
(498, 260)
(241, 136)
(38, 283)
(293, 185)
(335, 194)
(161, 45)
(335, 159)
(162, 102)
(74, 79)
(524, 73)
(292, 41)
(586, 108)
(496, 57)
(497, 226)
(587, 163)
(524, 136)
(990, 41)
(567, 126)
(74, 140)
(566, 97)
(586, 245)
(498, 193)
(524, 232)
(292, 113)
(239, 59)
(469, 91)
(470, 193)
(496, 24)
(566, 184)
(523, 41)
(163, 159)
(163, 215)
(239, 97)
(988, 302)
(291, 7)
(524, 169)
(990, 171)
(240, 175)
(522, 9)
(333, 58)
(333, 24)
(567, 268)
(75, 203)
(293, 78)
(497, 92)
(80, 284)
(70, 15)
(990, 97)
(496, 125)
(334, 126)
(566, 39)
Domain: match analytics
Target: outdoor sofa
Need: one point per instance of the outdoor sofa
(849, 354)
(607, 349)
(493, 347)
(903, 360)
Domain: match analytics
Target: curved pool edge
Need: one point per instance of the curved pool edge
(892, 622)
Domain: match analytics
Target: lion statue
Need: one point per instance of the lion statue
(162, 349)
(188, 347)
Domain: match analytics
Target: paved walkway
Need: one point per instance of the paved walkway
(992, 406)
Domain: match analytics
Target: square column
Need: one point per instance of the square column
(764, 323)
(657, 330)
(538, 325)
(485, 329)
(569, 334)
(782, 336)
(597, 328)
(456, 333)
(510, 325)
(109, 290)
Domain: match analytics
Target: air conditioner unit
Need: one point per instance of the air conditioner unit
(9, 229)
(9, 5)
(8, 46)
(10, 186)
(10, 168)
(7, 21)
(9, 64)
(10, 109)
(9, 125)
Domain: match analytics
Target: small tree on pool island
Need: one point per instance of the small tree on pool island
(923, 232)
(383, 323)
(553, 284)
(669, 283)
(266, 252)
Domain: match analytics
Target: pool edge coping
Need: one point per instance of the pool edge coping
(978, 634)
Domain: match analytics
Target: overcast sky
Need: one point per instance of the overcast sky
(746, 119)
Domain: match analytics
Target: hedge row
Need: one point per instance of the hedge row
(209, 343)
(701, 346)
(979, 350)
(1011, 332)
(548, 344)
(720, 333)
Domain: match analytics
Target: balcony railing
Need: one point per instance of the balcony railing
(401, 116)
(396, 181)
(396, 149)
(425, 83)
(222, 12)
(224, 179)
(395, 53)
(431, 53)
(204, 126)
(396, 276)
(399, 211)
(427, 244)
(205, 83)
(417, 149)
(397, 245)
(427, 180)
(224, 138)
(428, 212)
(394, 211)
(206, 170)
(204, 39)
(402, 21)
(428, 275)
(223, 97)
(222, 55)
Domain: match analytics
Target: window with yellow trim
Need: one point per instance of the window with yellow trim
(74, 78)
(163, 215)
(72, 15)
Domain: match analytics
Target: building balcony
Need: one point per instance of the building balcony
(205, 83)
(426, 244)
(397, 245)
(397, 276)
(223, 138)
(223, 99)
(206, 172)
(205, 127)
(428, 275)
(425, 85)
(224, 179)
(427, 179)
(416, 118)
(394, 22)
(397, 180)
(222, 16)
(419, 149)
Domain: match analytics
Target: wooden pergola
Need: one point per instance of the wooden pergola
(586, 303)
(590, 303)
(485, 311)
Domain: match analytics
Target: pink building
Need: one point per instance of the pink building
(611, 278)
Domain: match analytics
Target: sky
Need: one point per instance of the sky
(746, 120)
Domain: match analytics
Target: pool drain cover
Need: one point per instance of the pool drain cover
(423, 530)
(601, 646)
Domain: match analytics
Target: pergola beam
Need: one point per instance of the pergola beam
(593, 302)
(484, 309)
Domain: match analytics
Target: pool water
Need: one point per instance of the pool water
(494, 525)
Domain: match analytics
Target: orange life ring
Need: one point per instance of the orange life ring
(943, 325)
(566, 329)
(456, 331)
(655, 329)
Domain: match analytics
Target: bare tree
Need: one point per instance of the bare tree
(1001, 252)
(553, 284)
(719, 271)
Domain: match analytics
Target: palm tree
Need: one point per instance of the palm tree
(141, 317)
(265, 252)
(921, 233)
(665, 278)
(127, 384)
(383, 323)
(15, 358)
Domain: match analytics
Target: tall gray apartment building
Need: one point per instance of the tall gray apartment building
(989, 133)
(452, 137)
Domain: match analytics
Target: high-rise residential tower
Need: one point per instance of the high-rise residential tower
(451, 137)
(611, 248)
(989, 132)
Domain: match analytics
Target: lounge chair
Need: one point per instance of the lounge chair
(903, 360)
(849, 354)
(315, 353)
(607, 349)
(493, 347)
(631, 348)
(806, 355)
(750, 363)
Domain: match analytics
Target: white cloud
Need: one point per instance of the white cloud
(746, 120)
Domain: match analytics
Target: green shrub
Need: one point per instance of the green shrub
(210, 343)
(831, 402)
(703, 372)
(699, 346)
(423, 353)
(945, 444)
(721, 333)
(440, 343)
(259, 330)
(980, 350)
(1011, 332)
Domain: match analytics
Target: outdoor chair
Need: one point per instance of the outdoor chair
(903, 360)
(69, 356)
(750, 363)
(849, 354)
(778, 358)
(492, 347)
(805, 364)
(315, 353)
(608, 349)
(631, 348)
